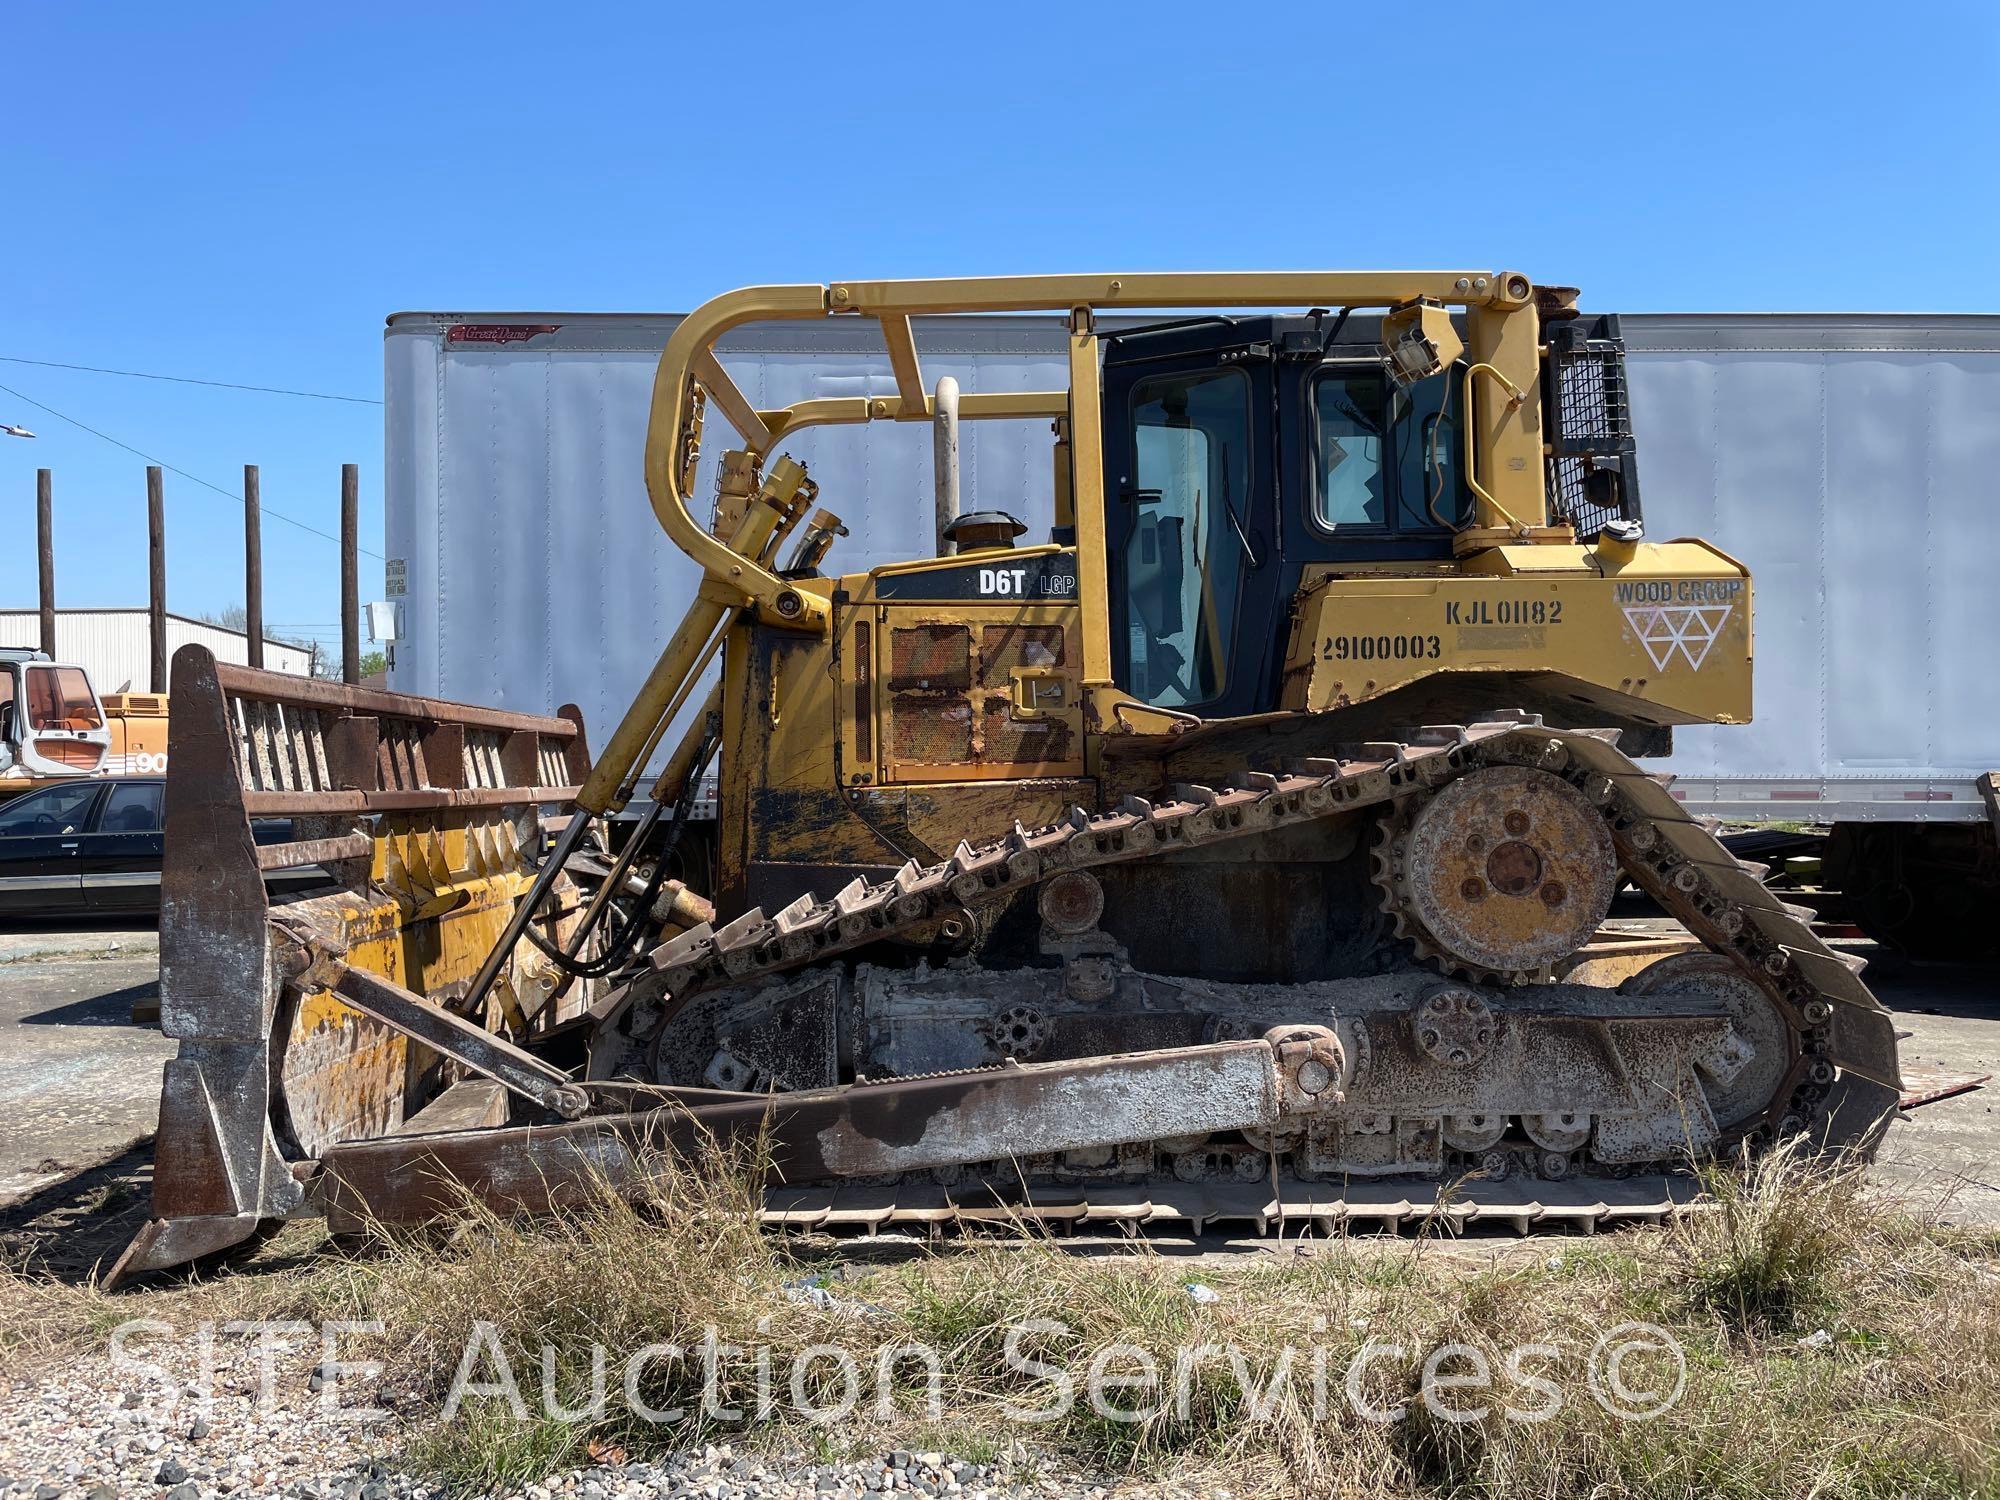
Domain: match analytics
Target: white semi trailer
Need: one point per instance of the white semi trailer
(1848, 459)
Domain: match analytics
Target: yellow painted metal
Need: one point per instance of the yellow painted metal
(688, 648)
(1611, 958)
(138, 725)
(1490, 511)
(1499, 308)
(809, 719)
(681, 763)
(793, 764)
(1419, 341)
(975, 406)
(1665, 638)
(909, 373)
(941, 813)
(863, 587)
(639, 728)
(731, 402)
(1169, 289)
(1504, 343)
(439, 892)
(687, 358)
(1086, 450)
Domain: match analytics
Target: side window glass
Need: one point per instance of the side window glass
(1389, 460)
(56, 809)
(1429, 450)
(79, 704)
(60, 698)
(133, 807)
(1351, 481)
(44, 705)
(1185, 557)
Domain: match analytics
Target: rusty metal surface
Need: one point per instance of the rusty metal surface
(451, 1036)
(469, 1104)
(283, 687)
(1288, 1207)
(1504, 871)
(1933, 1085)
(1611, 958)
(858, 1131)
(283, 803)
(325, 851)
(269, 1071)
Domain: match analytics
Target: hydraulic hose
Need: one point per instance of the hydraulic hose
(618, 949)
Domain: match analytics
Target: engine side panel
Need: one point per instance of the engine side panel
(1663, 635)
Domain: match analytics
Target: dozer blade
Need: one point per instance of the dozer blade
(425, 817)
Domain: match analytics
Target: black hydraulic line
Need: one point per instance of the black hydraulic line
(635, 844)
(619, 948)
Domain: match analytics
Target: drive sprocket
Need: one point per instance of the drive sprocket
(1498, 874)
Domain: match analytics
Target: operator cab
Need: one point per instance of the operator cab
(1240, 451)
(51, 721)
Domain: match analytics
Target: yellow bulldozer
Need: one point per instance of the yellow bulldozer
(1238, 853)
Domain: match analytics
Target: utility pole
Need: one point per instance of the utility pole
(253, 567)
(350, 573)
(156, 557)
(45, 549)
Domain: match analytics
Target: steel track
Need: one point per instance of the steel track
(1840, 1089)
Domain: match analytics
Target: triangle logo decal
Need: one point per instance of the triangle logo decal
(1684, 630)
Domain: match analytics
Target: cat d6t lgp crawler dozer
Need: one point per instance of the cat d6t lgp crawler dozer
(1240, 851)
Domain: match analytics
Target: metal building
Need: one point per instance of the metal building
(115, 645)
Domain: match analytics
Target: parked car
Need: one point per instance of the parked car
(95, 845)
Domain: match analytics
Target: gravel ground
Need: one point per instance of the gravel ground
(88, 1431)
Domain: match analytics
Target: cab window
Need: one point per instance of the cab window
(1388, 459)
(54, 809)
(1351, 481)
(1186, 554)
(60, 698)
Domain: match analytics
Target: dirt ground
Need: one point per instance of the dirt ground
(79, 1084)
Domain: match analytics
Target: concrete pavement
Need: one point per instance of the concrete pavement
(24, 942)
(79, 1081)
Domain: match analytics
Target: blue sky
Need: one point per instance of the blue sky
(242, 192)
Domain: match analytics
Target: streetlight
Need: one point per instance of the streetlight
(12, 431)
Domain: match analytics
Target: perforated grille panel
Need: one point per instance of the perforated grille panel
(1002, 648)
(951, 696)
(930, 658)
(931, 731)
(1025, 740)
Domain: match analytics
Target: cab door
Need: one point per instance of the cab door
(1191, 529)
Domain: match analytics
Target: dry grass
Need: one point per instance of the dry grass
(1899, 1396)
